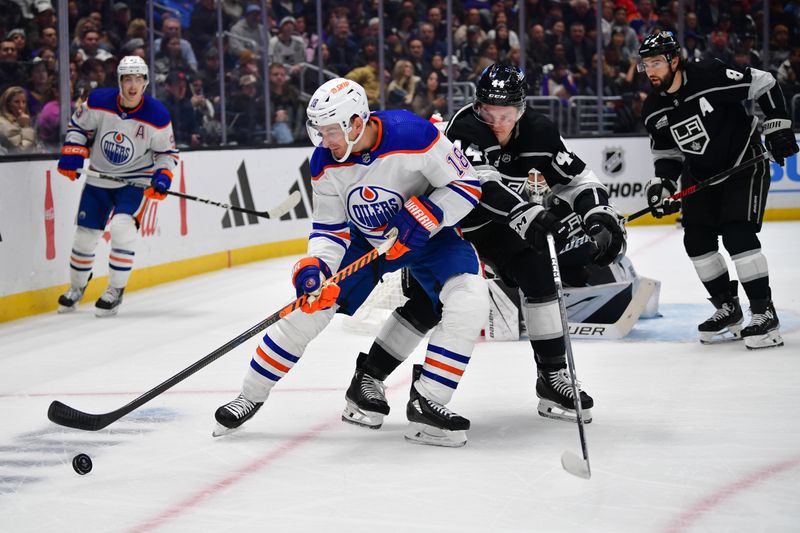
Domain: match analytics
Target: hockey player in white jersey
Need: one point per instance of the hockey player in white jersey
(371, 174)
(121, 131)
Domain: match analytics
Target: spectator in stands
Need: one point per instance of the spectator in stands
(779, 46)
(439, 25)
(210, 74)
(90, 46)
(286, 47)
(169, 59)
(287, 8)
(246, 111)
(416, 54)
(557, 34)
(789, 74)
(16, 130)
(692, 23)
(44, 16)
(38, 90)
(171, 28)
(48, 38)
(502, 38)
(430, 98)
(17, 35)
(580, 13)
(137, 29)
(288, 112)
(247, 32)
(177, 102)
(473, 20)
(693, 48)
(470, 49)
(629, 116)
(48, 55)
(708, 13)
(666, 22)
(133, 47)
(204, 113)
(367, 77)
(202, 31)
(643, 19)
(343, 50)
(48, 123)
(538, 49)
(579, 50)
(430, 46)
(439, 67)
(559, 82)
(747, 40)
(117, 29)
(11, 71)
(487, 57)
(719, 47)
(405, 24)
(403, 87)
(607, 21)
(621, 24)
(618, 45)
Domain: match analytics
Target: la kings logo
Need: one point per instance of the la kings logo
(613, 160)
(690, 135)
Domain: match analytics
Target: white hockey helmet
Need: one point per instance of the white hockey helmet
(132, 65)
(335, 103)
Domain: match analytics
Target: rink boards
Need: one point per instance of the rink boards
(180, 238)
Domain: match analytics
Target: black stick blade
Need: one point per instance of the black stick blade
(66, 416)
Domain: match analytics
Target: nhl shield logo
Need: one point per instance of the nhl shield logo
(613, 160)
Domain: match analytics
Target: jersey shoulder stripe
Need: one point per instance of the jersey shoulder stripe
(150, 111)
(401, 131)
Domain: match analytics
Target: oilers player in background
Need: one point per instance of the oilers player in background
(699, 127)
(504, 140)
(371, 174)
(121, 131)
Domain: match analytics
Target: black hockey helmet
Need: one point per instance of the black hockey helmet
(502, 85)
(662, 43)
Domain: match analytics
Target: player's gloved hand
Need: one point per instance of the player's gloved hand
(533, 222)
(308, 276)
(658, 191)
(414, 223)
(71, 160)
(780, 139)
(603, 225)
(159, 185)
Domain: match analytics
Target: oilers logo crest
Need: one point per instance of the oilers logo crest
(372, 207)
(117, 148)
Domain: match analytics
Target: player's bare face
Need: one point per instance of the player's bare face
(333, 139)
(658, 71)
(501, 119)
(132, 89)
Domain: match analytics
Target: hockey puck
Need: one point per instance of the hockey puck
(82, 463)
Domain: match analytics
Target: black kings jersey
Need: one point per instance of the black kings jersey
(535, 145)
(704, 125)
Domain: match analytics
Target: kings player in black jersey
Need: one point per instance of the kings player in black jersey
(698, 127)
(504, 141)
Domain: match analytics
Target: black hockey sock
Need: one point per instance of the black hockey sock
(550, 355)
(378, 363)
(718, 286)
(757, 289)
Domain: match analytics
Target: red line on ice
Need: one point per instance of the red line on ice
(687, 519)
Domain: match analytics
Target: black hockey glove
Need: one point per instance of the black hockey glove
(603, 225)
(658, 191)
(780, 139)
(533, 222)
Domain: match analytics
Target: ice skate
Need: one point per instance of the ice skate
(726, 323)
(68, 301)
(366, 401)
(432, 423)
(763, 329)
(556, 399)
(109, 302)
(233, 414)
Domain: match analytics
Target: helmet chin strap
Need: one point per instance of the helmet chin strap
(350, 144)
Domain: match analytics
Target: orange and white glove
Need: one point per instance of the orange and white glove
(71, 160)
(308, 277)
(414, 223)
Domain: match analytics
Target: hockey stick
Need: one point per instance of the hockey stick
(571, 462)
(67, 416)
(276, 212)
(713, 180)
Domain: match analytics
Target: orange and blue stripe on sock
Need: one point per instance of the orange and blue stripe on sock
(271, 361)
(444, 366)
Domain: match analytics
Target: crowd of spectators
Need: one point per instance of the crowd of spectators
(560, 51)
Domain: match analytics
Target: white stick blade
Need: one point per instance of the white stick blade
(575, 465)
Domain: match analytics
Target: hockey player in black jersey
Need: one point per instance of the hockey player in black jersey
(504, 141)
(698, 127)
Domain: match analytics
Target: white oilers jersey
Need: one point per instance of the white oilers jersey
(411, 157)
(137, 141)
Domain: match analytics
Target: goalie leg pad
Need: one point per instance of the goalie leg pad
(123, 242)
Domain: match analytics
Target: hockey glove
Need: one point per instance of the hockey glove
(603, 225)
(780, 139)
(414, 223)
(308, 276)
(159, 184)
(533, 222)
(71, 160)
(658, 191)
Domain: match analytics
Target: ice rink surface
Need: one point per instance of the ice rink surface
(685, 437)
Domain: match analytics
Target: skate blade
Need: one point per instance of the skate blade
(771, 339)
(358, 417)
(103, 313)
(431, 436)
(63, 309)
(221, 430)
(729, 334)
(550, 409)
